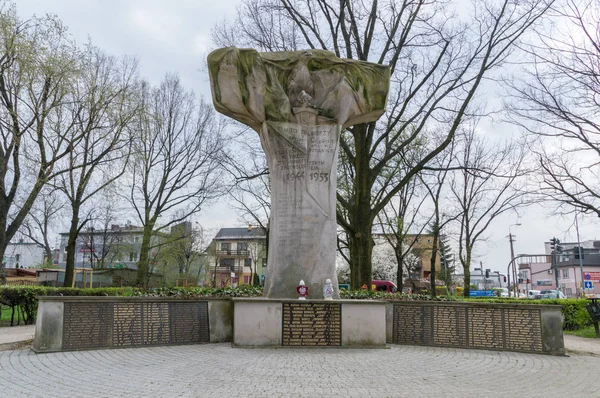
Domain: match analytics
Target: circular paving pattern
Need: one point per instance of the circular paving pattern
(221, 371)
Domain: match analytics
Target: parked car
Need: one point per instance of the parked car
(384, 286)
(550, 294)
(501, 292)
(532, 293)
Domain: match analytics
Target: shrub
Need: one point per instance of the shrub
(23, 299)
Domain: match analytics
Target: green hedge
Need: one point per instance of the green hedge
(22, 300)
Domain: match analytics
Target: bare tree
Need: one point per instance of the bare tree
(435, 182)
(489, 182)
(101, 111)
(177, 154)
(401, 218)
(250, 189)
(41, 219)
(557, 99)
(258, 252)
(438, 62)
(37, 63)
(104, 238)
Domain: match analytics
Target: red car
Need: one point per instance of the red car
(384, 286)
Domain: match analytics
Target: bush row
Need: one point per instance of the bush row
(23, 299)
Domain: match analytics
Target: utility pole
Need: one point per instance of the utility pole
(555, 250)
(580, 250)
(512, 256)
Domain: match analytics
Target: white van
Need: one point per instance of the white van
(532, 293)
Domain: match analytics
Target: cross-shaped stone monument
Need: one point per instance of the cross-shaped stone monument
(299, 102)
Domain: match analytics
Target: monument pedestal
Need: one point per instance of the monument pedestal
(261, 322)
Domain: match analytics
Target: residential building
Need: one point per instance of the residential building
(23, 254)
(117, 247)
(234, 253)
(538, 272)
(419, 265)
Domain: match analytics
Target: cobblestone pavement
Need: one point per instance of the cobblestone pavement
(221, 371)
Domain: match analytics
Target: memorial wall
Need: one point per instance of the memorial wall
(524, 328)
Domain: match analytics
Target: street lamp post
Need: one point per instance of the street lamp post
(512, 256)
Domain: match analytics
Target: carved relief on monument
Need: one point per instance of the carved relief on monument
(299, 102)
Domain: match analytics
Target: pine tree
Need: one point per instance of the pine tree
(446, 261)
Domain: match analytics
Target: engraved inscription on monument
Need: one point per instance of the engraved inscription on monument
(87, 325)
(450, 326)
(299, 102)
(189, 323)
(523, 330)
(127, 323)
(413, 325)
(155, 323)
(485, 325)
(312, 324)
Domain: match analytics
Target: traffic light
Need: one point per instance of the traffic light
(487, 274)
(552, 245)
(558, 247)
(576, 252)
(504, 278)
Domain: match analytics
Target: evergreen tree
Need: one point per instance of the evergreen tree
(446, 261)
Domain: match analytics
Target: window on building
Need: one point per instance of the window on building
(247, 262)
(226, 262)
(242, 245)
(17, 257)
(133, 256)
(565, 273)
(136, 239)
(226, 246)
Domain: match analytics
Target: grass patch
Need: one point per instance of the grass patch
(588, 332)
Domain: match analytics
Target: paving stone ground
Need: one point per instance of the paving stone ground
(218, 370)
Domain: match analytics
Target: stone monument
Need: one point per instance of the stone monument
(299, 102)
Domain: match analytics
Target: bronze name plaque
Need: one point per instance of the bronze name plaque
(130, 324)
(458, 326)
(312, 324)
(87, 325)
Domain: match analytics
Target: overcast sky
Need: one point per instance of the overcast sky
(174, 36)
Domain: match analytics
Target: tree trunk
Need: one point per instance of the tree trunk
(71, 244)
(400, 271)
(467, 271)
(360, 239)
(434, 250)
(144, 261)
(3, 244)
(361, 251)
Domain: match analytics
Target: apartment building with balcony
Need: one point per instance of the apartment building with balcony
(237, 256)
